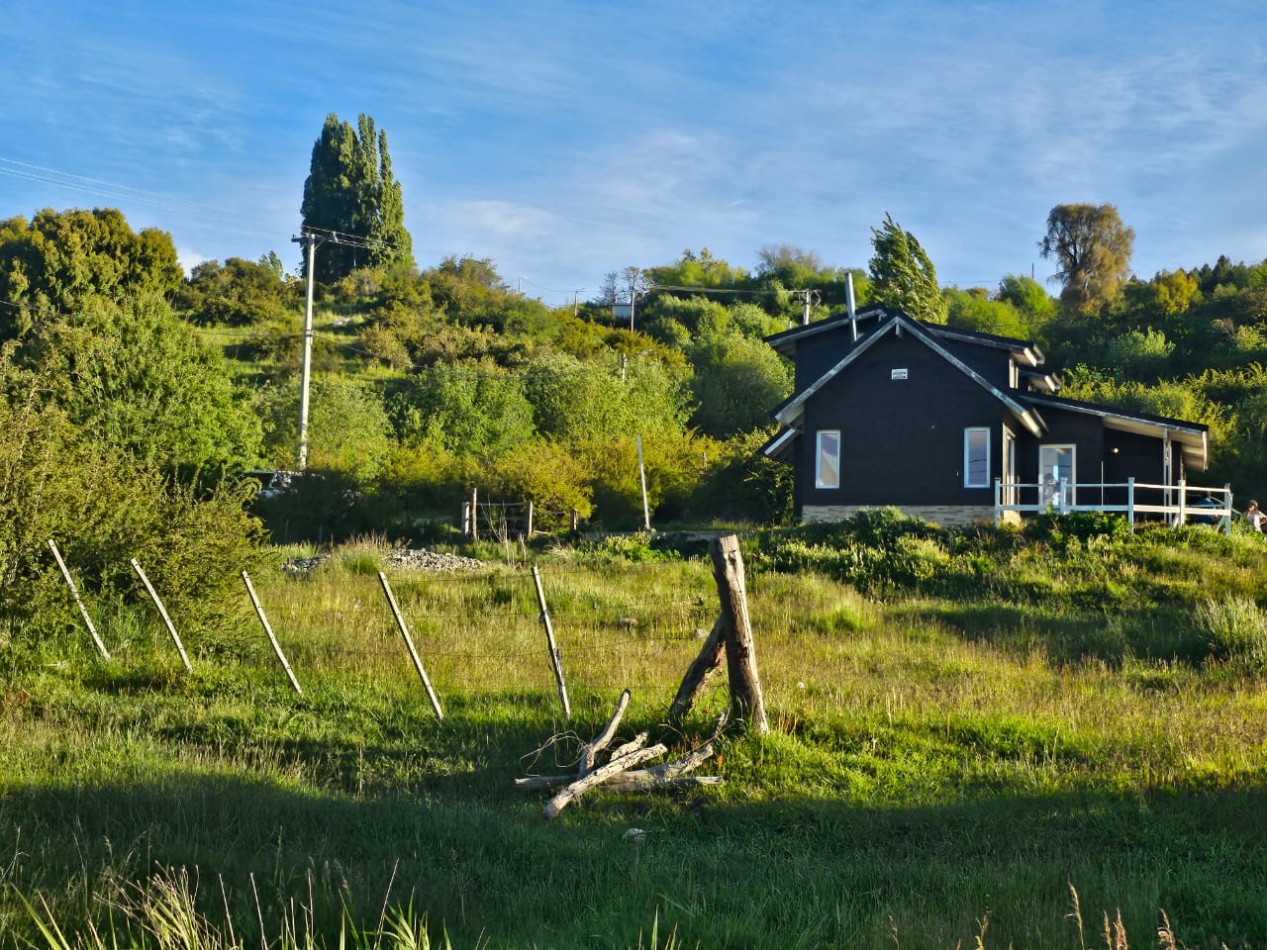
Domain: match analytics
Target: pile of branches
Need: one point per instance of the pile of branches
(620, 771)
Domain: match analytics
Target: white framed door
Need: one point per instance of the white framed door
(1056, 463)
(1009, 467)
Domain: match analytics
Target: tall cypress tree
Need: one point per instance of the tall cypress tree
(902, 275)
(350, 189)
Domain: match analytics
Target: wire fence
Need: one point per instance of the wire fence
(600, 645)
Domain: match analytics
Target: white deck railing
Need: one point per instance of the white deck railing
(1175, 504)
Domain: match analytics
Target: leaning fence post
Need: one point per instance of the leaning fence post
(74, 592)
(162, 612)
(409, 643)
(556, 658)
(746, 701)
(277, 647)
(700, 671)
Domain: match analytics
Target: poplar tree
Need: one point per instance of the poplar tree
(351, 190)
(902, 275)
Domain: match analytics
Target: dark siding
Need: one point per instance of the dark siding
(991, 362)
(818, 354)
(902, 441)
(1123, 455)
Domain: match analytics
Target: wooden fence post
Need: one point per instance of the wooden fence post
(162, 612)
(74, 592)
(475, 514)
(268, 630)
(409, 643)
(746, 701)
(700, 671)
(556, 658)
(528, 532)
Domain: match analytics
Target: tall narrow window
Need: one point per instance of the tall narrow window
(976, 458)
(827, 468)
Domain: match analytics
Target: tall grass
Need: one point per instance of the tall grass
(935, 760)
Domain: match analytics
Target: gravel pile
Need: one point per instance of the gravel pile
(402, 559)
(420, 559)
(302, 565)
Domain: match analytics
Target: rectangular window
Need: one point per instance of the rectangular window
(976, 458)
(827, 467)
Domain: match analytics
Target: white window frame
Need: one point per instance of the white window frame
(967, 455)
(818, 458)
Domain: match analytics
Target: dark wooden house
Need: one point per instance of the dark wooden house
(957, 426)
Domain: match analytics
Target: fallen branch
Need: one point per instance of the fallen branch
(589, 752)
(600, 775)
(645, 782)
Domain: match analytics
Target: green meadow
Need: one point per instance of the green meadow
(979, 738)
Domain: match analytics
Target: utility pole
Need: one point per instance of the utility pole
(309, 243)
(574, 300)
(633, 302)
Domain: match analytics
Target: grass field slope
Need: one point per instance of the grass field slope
(980, 737)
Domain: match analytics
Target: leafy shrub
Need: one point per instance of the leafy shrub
(104, 508)
(319, 505)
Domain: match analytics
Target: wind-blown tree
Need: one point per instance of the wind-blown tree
(59, 258)
(1092, 249)
(902, 275)
(351, 190)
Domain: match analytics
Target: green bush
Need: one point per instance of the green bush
(104, 508)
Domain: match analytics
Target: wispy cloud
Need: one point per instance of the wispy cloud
(564, 139)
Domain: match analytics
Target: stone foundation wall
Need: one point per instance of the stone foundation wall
(945, 515)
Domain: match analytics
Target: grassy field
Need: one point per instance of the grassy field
(1003, 743)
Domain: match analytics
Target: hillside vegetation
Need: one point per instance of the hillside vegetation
(986, 737)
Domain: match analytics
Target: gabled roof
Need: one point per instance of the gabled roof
(1193, 438)
(779, 445)
(790, 412)
(1040, 381)
(786, 342)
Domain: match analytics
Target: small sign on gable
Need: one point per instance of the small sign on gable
(897, 373)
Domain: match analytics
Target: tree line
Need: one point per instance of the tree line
(432, 380)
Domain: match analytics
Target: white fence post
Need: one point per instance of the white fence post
(1130, 501)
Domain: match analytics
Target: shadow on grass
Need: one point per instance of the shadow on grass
(798, 871)
(1067, 635)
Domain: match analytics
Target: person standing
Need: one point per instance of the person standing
(1254, 516)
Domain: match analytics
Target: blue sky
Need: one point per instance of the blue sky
(568, 139)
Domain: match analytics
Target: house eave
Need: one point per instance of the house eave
(1192, 438)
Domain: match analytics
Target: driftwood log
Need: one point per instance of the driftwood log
(620, 771)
